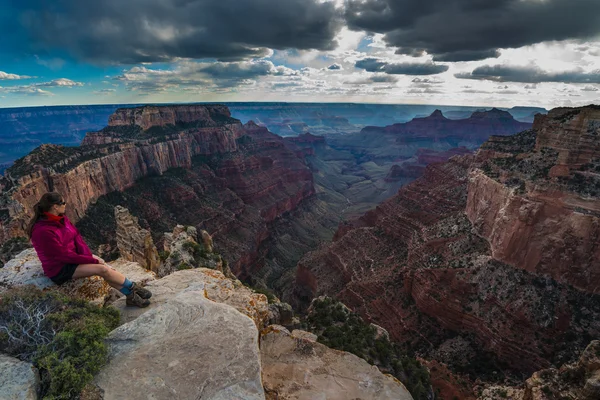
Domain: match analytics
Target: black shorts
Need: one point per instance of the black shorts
(65, 274)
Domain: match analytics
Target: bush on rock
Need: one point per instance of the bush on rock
(61, 336)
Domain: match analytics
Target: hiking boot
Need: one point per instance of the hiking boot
(143, 293)
(134, 299)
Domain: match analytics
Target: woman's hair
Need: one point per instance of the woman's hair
(44, 205)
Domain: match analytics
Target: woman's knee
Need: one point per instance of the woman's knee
(84, 270)
(103, 270)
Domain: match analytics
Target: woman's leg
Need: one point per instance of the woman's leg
(112, 276)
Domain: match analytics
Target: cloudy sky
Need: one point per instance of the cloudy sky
(455, 52)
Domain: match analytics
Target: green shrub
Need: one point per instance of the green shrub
(546, 390)
(191, 247)
(163, 255)
(196, 250)
(341, 329)
(270, 296)
(183, 266)
(175, 257)
(64, 337)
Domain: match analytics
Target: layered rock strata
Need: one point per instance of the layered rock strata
(232, 177)
(233, 196)
(580, 380)
(152, 116)
(134, 243)
(509, 265)
(539, 207)
(95, 169)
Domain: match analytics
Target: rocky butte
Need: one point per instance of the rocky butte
(169, 164)
(488, 265)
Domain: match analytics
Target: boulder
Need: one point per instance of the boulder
(188, 347)
(296, 367)
(18, 380)
(216, 286)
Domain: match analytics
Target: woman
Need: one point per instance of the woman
(64, 254)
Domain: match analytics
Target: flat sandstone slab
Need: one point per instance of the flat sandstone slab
(297, 368)
(187, 348)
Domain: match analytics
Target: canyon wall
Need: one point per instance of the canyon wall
(493, 248)
(91, 174)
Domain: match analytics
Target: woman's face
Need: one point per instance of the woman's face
(60, 207)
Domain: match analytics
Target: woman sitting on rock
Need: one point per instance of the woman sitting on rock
(64, 254)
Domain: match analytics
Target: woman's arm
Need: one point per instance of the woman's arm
(81, 246)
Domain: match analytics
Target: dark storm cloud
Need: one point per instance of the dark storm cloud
(237, 70)
(466, 55)
(530, 74)
(383, 78)
(133, 31)
(466, 30)
(414, 69)
(370, 64)
(376, 65)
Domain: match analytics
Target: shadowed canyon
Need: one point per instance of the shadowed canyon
(472, 241)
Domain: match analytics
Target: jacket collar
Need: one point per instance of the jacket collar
(54, 218)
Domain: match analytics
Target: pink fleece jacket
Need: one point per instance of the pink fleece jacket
(59, 243)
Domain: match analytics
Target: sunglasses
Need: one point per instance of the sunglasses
(62, 203)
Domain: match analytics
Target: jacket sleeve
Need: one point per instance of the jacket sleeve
(53, 248)
(80, 245)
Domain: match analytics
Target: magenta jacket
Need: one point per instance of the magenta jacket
(59, 243)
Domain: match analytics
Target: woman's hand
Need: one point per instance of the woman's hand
(101, 261)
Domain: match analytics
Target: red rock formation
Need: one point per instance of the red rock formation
(428, 156)
(233, 195)
(573, 132)
(253, 178)
(83, 181)
(541, 231)
(533, 220)
(478, 127)
(579, 380)
(448, 386)
(439, 259)
(149, 116)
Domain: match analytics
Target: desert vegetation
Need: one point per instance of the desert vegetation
(342, 329)
(61, 336)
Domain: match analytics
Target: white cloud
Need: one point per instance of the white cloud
(104, 91)
(35, 89)
(61, 82)
(7, 76)
(28, 90)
